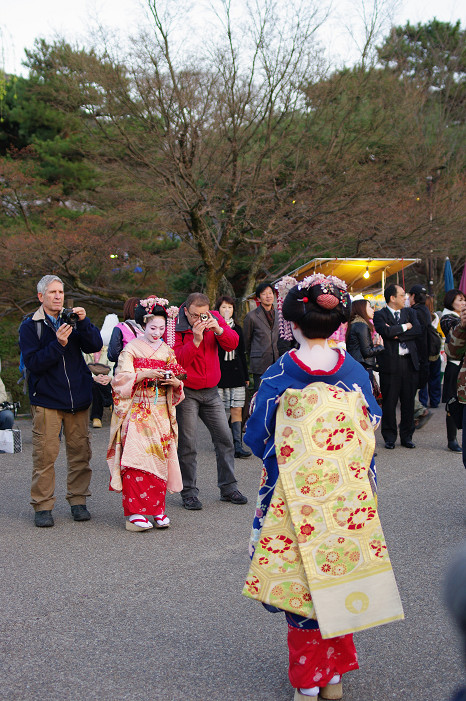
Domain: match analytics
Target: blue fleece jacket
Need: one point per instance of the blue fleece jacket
(58, 375)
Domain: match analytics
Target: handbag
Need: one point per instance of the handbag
(10, 440)
(454, 409)
(99, 368)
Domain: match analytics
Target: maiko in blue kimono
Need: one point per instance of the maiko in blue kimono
(332, 657)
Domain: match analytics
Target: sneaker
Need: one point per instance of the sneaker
(43, 519)
(422, 419)
(192, 503)
(80, 512)
(235, 497)
(96, 423)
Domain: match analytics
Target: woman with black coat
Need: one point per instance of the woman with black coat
(359, 341)
(454, 302)
(235, 376)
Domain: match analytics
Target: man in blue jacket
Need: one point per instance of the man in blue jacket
(60, 392)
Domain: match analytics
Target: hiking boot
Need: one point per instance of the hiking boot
(192, 503)
(80, 512)
(235, 497)
(43, 519)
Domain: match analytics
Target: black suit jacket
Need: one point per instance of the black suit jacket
(392, 334)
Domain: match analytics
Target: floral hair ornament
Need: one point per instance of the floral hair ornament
(172, 312)
(283, 286)
(326, 291)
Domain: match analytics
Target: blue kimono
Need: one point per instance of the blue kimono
(289, 372)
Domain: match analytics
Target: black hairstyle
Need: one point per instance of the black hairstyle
(313, 318)
(228, 300)
(263, 286)
(140, 314)
(450, 297)
(420, 294)
(390, 291)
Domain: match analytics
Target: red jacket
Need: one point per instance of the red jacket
(202, 364)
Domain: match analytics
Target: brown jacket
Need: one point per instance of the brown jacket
(260, 340)
(457, 351)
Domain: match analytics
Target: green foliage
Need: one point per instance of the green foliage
(10, 360)
(435, 51)
(433, 55)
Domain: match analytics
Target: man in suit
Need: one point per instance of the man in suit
(260, 329)
(399, 365)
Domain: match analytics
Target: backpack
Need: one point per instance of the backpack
(434, 342)
(22, 368)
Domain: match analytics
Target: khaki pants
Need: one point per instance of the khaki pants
(46, 426)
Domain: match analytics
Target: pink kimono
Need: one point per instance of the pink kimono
(142, 453)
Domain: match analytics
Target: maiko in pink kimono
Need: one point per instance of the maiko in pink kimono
(142, 454)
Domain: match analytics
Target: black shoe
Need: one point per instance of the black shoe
(235, 497)
(43, 519)
(455, 446)
(80, 512)
(422, 419)
(241, 453)
(408, 444)
(389, 445)
(192, 503)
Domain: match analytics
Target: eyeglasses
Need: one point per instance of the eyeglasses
(193, 316)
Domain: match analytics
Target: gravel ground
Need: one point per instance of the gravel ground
(92, 611)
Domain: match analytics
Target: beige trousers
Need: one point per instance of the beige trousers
(46, 426)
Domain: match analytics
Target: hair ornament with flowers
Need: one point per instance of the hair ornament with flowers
(171, 312)
(325, 291)
(283, 286)
(151, 302)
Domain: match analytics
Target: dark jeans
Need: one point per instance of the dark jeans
(204, 404)
(433, 389)
(7, 419)
(101, 396)
(401, 385)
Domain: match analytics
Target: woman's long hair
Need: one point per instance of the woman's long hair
(359, 308)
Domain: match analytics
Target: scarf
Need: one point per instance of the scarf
(230, 355)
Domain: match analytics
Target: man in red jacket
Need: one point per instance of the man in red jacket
(199, 332)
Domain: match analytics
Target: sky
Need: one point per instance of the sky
(21, 21)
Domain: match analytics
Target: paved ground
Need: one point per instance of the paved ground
(91, 611)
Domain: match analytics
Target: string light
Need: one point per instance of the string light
(367, 273)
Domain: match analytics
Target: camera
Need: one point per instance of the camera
(167, 375)
(204, 316)
(68, 316)
(12, 406)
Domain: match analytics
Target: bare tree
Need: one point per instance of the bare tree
(215, 136)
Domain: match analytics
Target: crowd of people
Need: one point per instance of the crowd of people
(174, 366)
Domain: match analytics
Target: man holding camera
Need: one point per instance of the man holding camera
(52, 342)
(199, 332)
